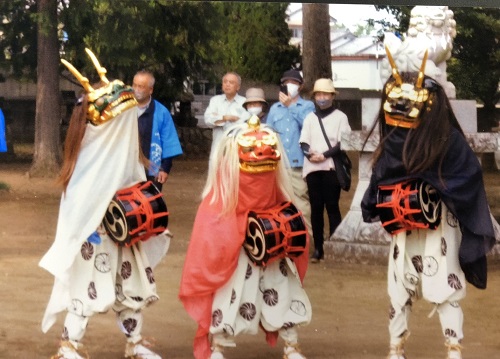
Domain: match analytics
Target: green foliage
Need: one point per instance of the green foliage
(180, 40)
(177, 40)
(4, 186)
(401, 13)
(364, 30)
(475, 65)
(254, 40)
(169, 38)
(18, 38)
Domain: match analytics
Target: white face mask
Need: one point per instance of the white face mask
(293, 90)
(254, 110)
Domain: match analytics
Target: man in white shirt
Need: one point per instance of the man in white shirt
(226, 109)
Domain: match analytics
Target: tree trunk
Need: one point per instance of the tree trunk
(47, 151)
(316, 55)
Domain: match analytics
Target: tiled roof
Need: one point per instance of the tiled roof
(357, 45)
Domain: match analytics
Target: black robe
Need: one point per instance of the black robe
(461, 189)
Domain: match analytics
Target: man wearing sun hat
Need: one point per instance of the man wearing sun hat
(256, 104)
(287, 117)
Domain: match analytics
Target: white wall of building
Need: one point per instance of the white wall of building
(362, 74)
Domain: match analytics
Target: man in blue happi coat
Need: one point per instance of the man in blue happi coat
(158, 135)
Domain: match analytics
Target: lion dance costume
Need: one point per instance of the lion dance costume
(93, 270)
(427, 190)
(248, 251)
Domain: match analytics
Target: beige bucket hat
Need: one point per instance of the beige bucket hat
(254, 94)
(324, 85)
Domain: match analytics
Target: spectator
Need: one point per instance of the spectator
(226, 109)
(157, 132)
(3, 140)
(287, 117)
(319, 169)
(256, 103)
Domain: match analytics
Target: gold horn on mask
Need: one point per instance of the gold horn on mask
(100, 70)
(421, 75)
(395, 72)
(82, 79)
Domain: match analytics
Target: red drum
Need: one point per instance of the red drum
(277, 233)
(135, 214)
(409, 205)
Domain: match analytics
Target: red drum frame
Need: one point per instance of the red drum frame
(408, 205)
(135, 214)
(274, 234)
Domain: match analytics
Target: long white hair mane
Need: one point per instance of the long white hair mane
(224, 170)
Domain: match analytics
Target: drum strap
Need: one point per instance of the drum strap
(342, 162)
(320, 120)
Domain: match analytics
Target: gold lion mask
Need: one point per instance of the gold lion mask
(106, 102)
(406, 101)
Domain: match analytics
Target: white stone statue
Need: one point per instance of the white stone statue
(431, 28)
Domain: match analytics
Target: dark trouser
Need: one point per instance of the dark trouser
(324, 192)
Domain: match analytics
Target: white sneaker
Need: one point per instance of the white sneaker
(397, 351)
(69, 350)
(396, 356)
(140, 350)
(454, 351)
(217, 351)
(292, 352)
(217, 355)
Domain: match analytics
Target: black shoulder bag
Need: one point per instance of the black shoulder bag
(342, 162)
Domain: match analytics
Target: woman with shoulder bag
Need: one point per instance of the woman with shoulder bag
(320, 142)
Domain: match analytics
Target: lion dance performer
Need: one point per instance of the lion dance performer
(427, 190)
(93, 271)
(246, 262)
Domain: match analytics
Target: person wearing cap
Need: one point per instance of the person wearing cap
(256, 104)
(319, 169)
(287, 117)
(226, 109)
